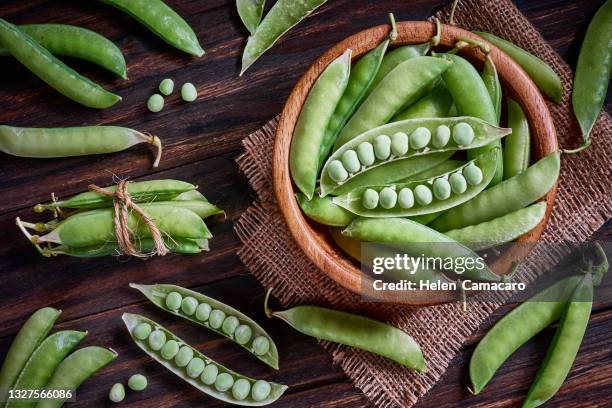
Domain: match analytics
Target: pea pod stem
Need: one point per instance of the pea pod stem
(393, 33)
(583, 146)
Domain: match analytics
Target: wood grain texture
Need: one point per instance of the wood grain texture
(201, 142)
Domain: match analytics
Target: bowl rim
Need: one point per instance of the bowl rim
(315, 243)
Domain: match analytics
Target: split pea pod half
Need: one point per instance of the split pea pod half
(401, 87)
(404, 140)
(197, 369)
(508, 196)
(43, 362)
(355, 331)
(74, 370)
(29, 337)
(436, 104)
(250, 12)
(76, 42)
(162, 20)
(309, 133)
(517, 144)
(72, 141)
(283, 15)
(215, 316)
(51, 70)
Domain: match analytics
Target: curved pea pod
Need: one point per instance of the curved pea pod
(163, 21)
(283, 15)
(403, 86)
(442, 167)
(508, 196)
(355, 331)
(436, 104)
(309, 133)
(43, 362)
(143, 245)
(29, 337)
(275, 390)
(517, 144)
(492, 83)
(323, 211)
(499, 230)
(191, 195)
(354, 201)
(51, 70)
(76, 42)
(203, 208)
(157, 294)
(74, 370)
(250, 12)
(417, 239)
(516, 328)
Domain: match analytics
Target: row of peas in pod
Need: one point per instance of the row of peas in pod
(413, 135)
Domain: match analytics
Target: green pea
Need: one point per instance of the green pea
(157, 339)
(166, 86)
(209, 375)
(224, 382)
(155, 103)
(137, 382)
(184, 356)
(420, 138)
(406, 198)
(260, 391)
(229, 325)
(382, 147)
(203, 312)
(117, 393)
(261, 345)
(337, 172)
(370, 199)
(422, 194)
(173, 301)
(189, 305)
(388, 198)
(457, 183)
(399, 144)
(351, 161)
(473, 174)
(463, 134)
(142, 331)
(170, 349)
(195, 367)
(189, 93)
(241, 389)
(441, 189)
(216, 318)
(365, 152)
(441, 136)
(243, 334)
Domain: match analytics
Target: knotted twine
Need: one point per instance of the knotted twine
(122, 206)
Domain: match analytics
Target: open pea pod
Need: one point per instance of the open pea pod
(258, 392)
(403, 140)
(426, 196)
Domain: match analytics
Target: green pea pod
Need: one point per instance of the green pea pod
(29, 337)
(360, 80)
(324, 211)
(76, 42)
(203, 208)
(543, 75)
(43, 362)
(309, 133)
(74, 370)
(354, 331)
(483, 134)
(472, 98)
(435, 104)
(144, 245)
(517, 144)
(593, 70)
(491, 80)
(163, 21)
(417, 239)
(250, 12)
(218, 390)
(51, 70)
(191, 195)
(403, 86)
(157, 294)
(506, 197)
(283, 15)
(499, 230)
(443, 167)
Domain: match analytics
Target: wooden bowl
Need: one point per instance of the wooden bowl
(315, 241)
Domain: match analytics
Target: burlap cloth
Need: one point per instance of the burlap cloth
(582, 205)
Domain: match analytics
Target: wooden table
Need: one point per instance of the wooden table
(201, 141)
